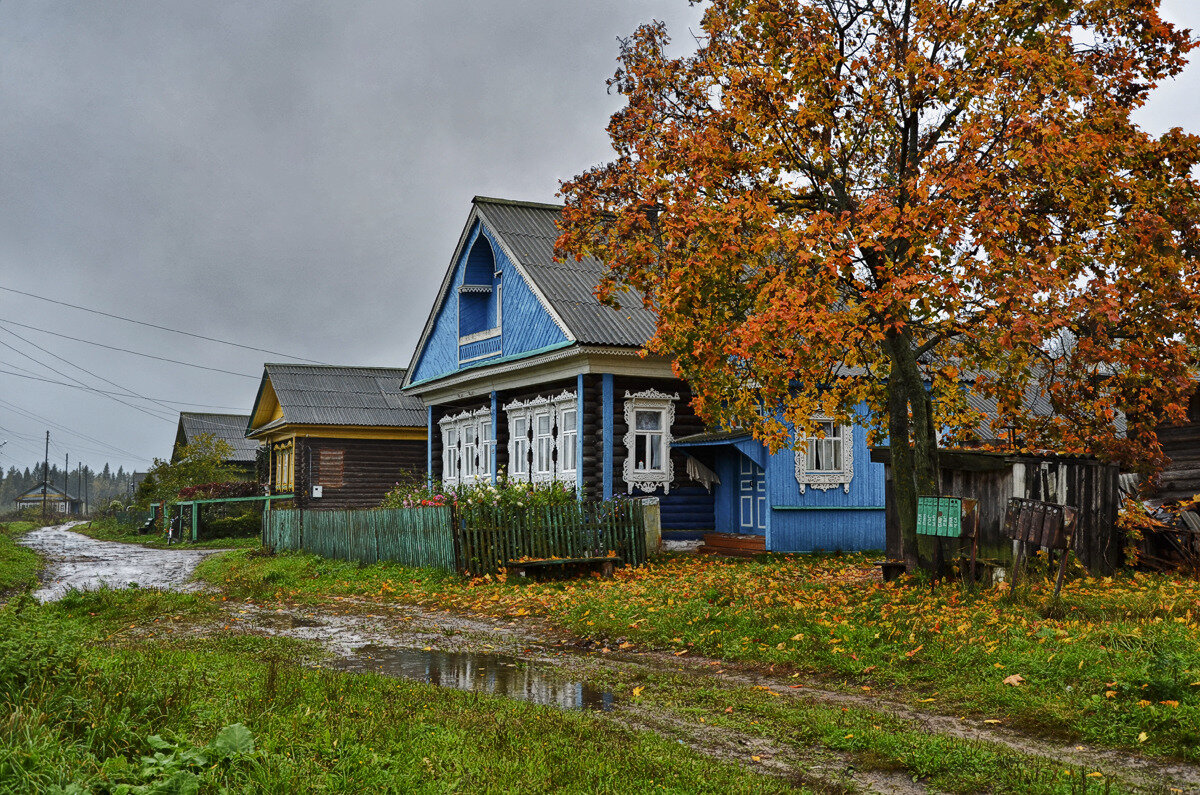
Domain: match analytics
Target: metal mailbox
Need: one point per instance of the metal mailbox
(1039, 523)
(940, 517)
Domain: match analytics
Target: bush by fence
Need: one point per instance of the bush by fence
(473, 540)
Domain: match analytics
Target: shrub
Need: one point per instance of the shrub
(505, 492)
(248, 524)
(212, 491)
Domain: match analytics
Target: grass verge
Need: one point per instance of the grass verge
(18, 566)
(109, 529)
(1115, 663)
(90, 708)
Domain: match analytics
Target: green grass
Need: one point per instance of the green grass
(90, 707)
(18, 566)
(1116, 662)
(108, 529)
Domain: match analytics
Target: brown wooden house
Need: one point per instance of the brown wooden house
(1180, 478)
(337, 437)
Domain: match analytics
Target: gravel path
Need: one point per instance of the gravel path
(74, 561)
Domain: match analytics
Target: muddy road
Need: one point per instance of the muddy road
(74, 561)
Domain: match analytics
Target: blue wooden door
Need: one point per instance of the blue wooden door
(752, 497)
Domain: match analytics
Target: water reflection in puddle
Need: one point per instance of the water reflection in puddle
(483, 673)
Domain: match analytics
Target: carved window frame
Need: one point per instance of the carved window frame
(649, 480)
(529, 410)
(467, 424)
(826, 479)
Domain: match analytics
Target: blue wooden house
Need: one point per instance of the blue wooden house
(523, 370)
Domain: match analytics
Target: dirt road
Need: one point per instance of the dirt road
(74, 561)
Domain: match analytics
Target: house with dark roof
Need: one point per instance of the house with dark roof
(54, 499)
(229, 428)
(523, 371)
(337, 437)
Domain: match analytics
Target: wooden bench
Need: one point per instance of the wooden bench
(605, 565)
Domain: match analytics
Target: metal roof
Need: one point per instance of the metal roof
(328, 395)
(527, 231)
(51, 493)
(230, 428)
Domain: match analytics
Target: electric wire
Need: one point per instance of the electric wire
(89, 387)
(110, 392)
(161, 328)
(126, 350)
(59, 426)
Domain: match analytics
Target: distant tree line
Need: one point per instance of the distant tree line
(101, 487)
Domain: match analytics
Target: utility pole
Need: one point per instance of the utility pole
(45, 476)
(66, 485)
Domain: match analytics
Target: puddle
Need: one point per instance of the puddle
(482, 673)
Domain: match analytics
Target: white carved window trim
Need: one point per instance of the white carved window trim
(649, 480)
(826, 479)
(461, 427)
(529, 410)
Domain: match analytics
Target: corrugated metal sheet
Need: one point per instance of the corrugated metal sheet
(529, 231)
(231, 428)
(326, 395)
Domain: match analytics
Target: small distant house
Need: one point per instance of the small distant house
(229, 428)
(523, 370)
(337, 437)
(55, 499)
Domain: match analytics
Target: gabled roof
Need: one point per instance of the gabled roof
(526, 231)
(311, 394)
(230, 428)
(52, 493)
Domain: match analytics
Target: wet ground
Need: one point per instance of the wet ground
(530, 660)
(74, 561)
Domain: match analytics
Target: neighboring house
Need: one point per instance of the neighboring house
(230, 428)
(523, 370)
(56, 500)
(1180, 478)
(337, 437)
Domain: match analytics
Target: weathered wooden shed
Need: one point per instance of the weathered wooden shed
(993, 478)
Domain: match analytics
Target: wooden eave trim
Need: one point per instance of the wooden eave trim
(384, 433)
(552, 366)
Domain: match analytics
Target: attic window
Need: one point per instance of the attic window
(479, 294)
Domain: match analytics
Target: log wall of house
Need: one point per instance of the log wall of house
(370, 468)
(688, 505)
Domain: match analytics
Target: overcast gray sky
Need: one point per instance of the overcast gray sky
(288, 175)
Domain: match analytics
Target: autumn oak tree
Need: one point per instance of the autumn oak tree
(867, 209)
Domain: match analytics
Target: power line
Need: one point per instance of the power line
(161, 328)
(59, 426)
(89, 387)
(125, 350)
(109, 392)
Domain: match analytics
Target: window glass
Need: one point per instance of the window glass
(485, 447)
(518, 429)
(825, 455)
(543, 443)
(567, 440)
(648, 441)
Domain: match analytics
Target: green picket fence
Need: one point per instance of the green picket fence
(491, 537)
(411, 536)
(474, 540)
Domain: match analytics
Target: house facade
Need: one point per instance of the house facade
(521, 370)
(53, 498)
(336, 437)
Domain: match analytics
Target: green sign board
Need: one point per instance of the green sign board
(939, 516)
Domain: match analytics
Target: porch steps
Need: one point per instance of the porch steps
(733, 544)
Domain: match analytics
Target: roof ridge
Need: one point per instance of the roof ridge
(517, 203)
(336, 366)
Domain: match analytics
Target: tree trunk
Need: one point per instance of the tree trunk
(913, 440)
